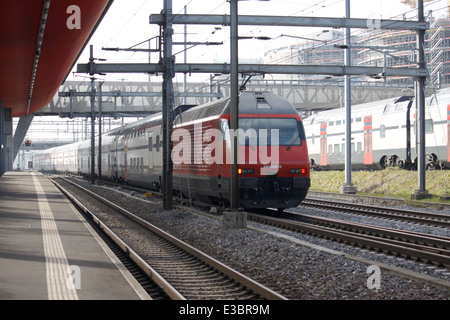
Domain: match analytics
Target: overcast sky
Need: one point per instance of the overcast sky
(127, 24)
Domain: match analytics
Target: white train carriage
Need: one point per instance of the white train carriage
(133, 153)
(58, 159)
(65, 158)
(43, 160)
(84, 158)
(383, 134)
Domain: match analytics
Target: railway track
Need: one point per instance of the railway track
(179, 269)
(433, 219)
(423, 247)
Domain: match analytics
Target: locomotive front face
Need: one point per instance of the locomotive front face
(280, 175)
(272, 155)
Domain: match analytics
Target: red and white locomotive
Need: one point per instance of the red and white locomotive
(273, 154)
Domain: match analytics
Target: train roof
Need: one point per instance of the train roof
(140, 124)
(59, 149)
(250, 102)
(364, 109)
(256, 102)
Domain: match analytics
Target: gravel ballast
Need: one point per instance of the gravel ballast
(291, 268)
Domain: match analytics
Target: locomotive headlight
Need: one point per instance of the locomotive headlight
(298, 171)
(246, 171)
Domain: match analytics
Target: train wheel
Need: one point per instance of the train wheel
(383, 162)
(389, 161)
(432, 162)
(394, 160)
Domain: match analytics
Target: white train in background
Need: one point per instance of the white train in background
(383, 134)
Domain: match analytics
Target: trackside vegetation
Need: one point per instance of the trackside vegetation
(390, 182)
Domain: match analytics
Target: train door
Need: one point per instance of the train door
(125, 158)
(323, 143)
(109, 161)
(150, 152)
(368, 147)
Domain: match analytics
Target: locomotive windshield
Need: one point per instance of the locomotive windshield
(264, 131)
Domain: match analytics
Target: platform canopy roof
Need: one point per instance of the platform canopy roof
(40, 41)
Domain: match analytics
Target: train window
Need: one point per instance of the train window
(353, 148)
(382, 131)
(338, 122)
(138, 164)
(358, 119)
(150, 143)
(157, 143)
(142, 164)
(331, 123)
(429, 126)
(343, 148)
(336, 149)
(259, 131)
(358, 148)
(330, 149)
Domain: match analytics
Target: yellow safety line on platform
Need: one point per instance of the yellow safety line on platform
(60, 285)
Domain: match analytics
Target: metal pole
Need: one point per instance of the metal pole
(92, 130)
(99, 134)
(348, 186)
(185, 59)
(91, 62)
(420, 104)
(168, 102)
(234, 105)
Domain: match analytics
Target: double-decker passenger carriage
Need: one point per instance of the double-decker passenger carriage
(273, 154)
(383, 134)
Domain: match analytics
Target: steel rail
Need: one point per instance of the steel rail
(247, 282)
(364, 240)
(153, 274)
(389, 213)
(431, 240)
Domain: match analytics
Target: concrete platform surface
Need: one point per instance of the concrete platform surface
(48, 251)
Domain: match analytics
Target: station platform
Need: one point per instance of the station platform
(49, 252)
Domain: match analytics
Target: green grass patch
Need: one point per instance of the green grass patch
(391, 182)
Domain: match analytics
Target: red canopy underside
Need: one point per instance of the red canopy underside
(19, 27)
